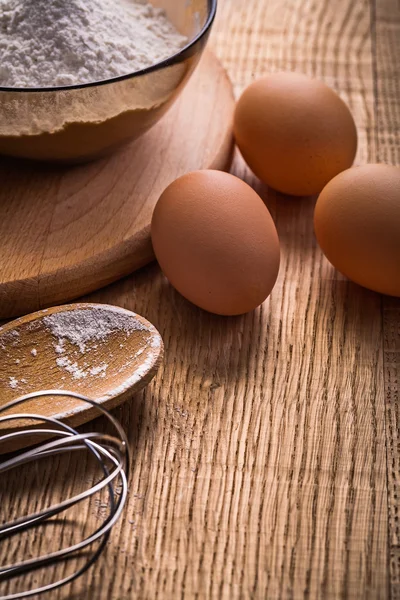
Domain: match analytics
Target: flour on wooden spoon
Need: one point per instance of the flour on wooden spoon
(82, 329)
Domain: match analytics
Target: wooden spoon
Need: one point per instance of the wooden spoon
(104, 352)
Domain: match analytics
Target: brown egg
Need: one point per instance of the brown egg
(357, 224)
(216, 242)
(294, 132)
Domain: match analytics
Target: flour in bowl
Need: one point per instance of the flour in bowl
(47, 43)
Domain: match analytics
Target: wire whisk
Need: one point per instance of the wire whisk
(112, 455)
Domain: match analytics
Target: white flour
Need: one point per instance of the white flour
(13, 382)
(65, 42)
(79, 337)
(80, 373)
(10, 338)
(83, 326)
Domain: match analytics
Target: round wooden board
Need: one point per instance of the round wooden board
(66, 231)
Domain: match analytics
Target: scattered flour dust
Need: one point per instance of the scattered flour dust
(83, 328)
(77, 336)
(49, 43)
(13, 383)
(9, 338)
(77, 372)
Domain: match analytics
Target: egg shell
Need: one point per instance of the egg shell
(294, 132)
(357, 224)
(216, 242)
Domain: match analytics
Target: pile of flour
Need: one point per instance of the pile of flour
(45, 43)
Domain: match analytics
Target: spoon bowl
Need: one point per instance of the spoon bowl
(104, 352)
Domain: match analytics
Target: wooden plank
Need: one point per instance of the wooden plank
(259, 450)
(386, 41)
(391, 325)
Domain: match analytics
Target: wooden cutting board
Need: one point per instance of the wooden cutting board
(66, 231)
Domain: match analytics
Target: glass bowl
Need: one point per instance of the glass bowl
(83, 122)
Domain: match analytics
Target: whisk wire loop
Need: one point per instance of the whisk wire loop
(112, 455)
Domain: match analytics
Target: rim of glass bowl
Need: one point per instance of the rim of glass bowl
(175, 58)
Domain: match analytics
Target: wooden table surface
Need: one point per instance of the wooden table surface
(267, 451)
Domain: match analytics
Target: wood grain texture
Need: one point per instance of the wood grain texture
(67, 231)
(266, 458)
(386, 61)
